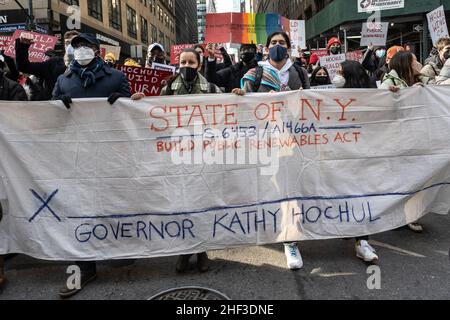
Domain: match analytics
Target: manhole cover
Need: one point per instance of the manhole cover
(190, 293)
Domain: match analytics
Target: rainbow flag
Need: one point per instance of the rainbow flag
(243, 27)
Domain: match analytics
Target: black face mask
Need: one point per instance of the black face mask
(335, 50)
(322, 80)
(110, 64)
(247, 57)
(447, 54)
(188, 74)
(159, 60)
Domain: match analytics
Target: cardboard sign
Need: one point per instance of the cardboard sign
(374, 33)
(110, 49)
(297, 35)
(148, 81)
(175, 175)
(437, 24)
(40, 45)
(332, 63)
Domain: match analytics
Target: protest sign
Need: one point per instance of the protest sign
(320, 52)
(356, 55)
(164, 67)
(176, 50)
(437, 24)
(243, 27)
(105, 49)
(148, 81)
(36, 53)
(379, 5)
(4, 42)
(184, 174)
(332, 63)
(374, 33)
(297, 35)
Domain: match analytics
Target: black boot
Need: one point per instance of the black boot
(183, 263)
(202, 262)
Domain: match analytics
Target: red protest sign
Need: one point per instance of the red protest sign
(36, 53)
(176, 50)
(354, 55)
(320, 52)
(148, 81)
(4, 42)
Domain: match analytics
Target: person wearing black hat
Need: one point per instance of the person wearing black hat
(48, 71)
(88, 76)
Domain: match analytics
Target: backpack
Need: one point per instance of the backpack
(260, 71)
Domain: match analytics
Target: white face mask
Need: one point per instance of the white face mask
(84, 55)
(338, 81)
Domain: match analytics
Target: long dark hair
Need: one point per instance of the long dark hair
(355, 75)
(402, 64)
(187, 50)
(281, 33)
(314, 75)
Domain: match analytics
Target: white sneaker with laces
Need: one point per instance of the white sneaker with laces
(365, 251)
(294, 259)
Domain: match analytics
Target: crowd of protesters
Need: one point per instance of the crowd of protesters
(83, 73)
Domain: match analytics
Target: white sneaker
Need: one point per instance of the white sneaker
(294, 259)
(365, 251)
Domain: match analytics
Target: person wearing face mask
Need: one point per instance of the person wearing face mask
(320, 77)
(48, 71)
(190, 81)
(404, 72)
(110, 60)
(314, 62)
(278, 73)
(156, 54)
(88, 77)
(230, 78)
(374, 61)
(352, 75)
(334, 46)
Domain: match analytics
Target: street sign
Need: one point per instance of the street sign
(418, 27)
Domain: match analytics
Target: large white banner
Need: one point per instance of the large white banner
(379, 5)
(139, 179)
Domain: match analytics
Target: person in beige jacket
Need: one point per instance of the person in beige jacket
(434, 66)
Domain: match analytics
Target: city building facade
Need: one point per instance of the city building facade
(186, 21)
(124, 23)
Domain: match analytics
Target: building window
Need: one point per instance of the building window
(144, 30)
(154, 34)
(95, 9)
(161, 39)
(131, 22)
(115, 20)
(71, 2)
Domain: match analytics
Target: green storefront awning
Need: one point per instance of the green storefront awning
(340, 12)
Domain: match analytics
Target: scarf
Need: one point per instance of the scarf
(87, 73)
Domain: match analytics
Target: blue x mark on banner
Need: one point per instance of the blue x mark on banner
(45, 204)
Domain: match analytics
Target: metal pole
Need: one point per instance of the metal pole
(425, 39)
(30, 15)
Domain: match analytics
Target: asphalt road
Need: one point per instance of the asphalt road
(413, 266)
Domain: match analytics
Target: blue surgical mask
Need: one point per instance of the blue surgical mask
(278, 53)
(380, 53)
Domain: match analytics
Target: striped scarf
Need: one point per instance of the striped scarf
(87, 73)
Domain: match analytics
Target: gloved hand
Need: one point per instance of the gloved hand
(66, 100)
(113, 97)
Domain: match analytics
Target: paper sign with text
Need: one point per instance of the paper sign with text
(40, 45)
(374, 33)
(437, 24)
(332, 63)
